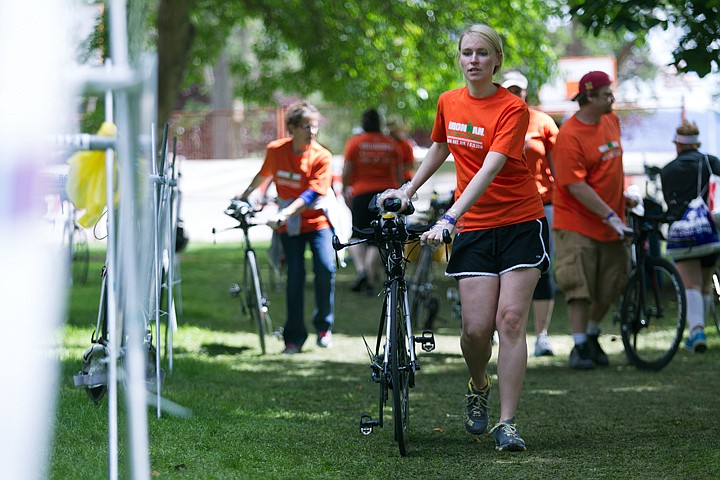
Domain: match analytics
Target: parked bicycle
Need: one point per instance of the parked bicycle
(715, 297)
(424, 301)
(652, 309)
(393, 362)
(75, 241)
(254, 300)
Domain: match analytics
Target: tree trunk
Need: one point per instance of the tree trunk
(175, 34)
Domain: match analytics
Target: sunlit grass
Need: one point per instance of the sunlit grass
(281, 417)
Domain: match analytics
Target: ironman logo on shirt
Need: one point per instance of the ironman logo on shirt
(465, 134)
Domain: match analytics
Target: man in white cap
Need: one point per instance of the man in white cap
(539, 143)
(592, 260)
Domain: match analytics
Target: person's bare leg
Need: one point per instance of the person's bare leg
(478, 324)
(578, 311)
(542, 311)
(515, 298)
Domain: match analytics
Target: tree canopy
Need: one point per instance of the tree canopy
(398, 54)
(699, 20)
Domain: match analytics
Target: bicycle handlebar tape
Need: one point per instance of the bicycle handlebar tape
(394, 205)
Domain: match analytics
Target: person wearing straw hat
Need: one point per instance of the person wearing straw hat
(679, 184)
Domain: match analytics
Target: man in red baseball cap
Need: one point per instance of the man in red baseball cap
(589, 225)
(591, 81)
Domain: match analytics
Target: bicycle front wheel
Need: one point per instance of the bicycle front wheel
(400, 367)
(254, 296)
(715, 297)
(653, 314)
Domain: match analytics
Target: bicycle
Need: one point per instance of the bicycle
(652, 312)
(255, 303)
(394, 362)
(715, 296)
(76, 241)
(424, 302)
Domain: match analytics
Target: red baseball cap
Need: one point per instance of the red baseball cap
(590, 81)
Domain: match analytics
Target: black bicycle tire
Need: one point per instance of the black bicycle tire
(418, 296)
(79, 255)
(254, 296)
(715, 297)
(630, 311)
(399, 368)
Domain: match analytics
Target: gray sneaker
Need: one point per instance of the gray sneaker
(476, 417)
(596, 352)
(580, 357)
(507, 437)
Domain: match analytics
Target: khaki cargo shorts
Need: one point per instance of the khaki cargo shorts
(586, 269)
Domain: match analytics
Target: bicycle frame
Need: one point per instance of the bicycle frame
(257, 310)
(651, 318)
(396, 370)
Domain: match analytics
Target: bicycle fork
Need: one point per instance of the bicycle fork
(380, 371)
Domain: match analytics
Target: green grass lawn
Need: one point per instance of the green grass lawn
(297, 417)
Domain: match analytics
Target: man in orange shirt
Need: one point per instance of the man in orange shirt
(592, 260)
(539, 142)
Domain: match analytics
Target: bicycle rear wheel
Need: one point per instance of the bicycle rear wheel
(400, 367)
(653, 315)
(715, 297)
(419, 290)
(255, 297)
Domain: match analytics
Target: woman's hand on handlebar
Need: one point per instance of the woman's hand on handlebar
(392, 193)
(436, 236)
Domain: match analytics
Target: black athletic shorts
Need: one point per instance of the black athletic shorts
(495, 251)
(361, 214)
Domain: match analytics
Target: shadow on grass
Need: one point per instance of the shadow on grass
(217, 349)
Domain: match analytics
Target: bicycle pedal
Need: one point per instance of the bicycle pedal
(427, 340)
(367, 424)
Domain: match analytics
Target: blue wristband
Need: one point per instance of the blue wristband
(451, 220)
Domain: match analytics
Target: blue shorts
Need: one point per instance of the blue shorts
(495, 251)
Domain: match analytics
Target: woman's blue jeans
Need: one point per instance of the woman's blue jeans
(324, 269)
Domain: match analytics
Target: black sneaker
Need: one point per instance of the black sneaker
(359, 282)
(476, 416)
(507, 437)
(580, 358)
(596, 352)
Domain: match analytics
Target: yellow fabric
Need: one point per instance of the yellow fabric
(86, 183)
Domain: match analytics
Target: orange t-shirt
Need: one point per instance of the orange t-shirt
(472, 127)
(539, 143)
(293, 174)
(408, 159)
(376, 161)
(593, 154)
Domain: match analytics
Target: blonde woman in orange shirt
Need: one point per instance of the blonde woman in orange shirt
(501, 248)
